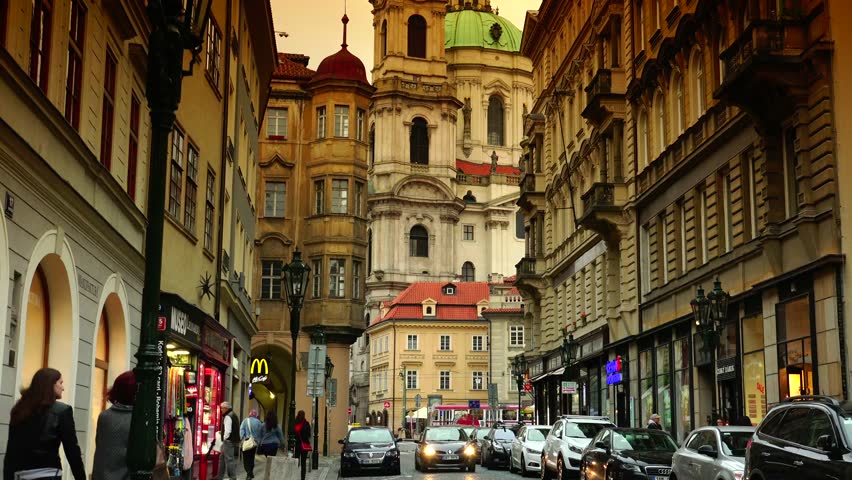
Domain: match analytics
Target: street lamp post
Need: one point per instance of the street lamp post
(296, 275)
(568, 352)
(318, 338)
(329, 368)
(710, 312)
(519, 368)
(404, 399)
(176, 25)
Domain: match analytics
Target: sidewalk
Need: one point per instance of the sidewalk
(285, 468)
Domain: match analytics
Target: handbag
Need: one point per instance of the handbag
(250, 442)
(306, 446)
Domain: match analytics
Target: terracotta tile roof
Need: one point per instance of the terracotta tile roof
(460, 306)
(484, 169)
(290, 67)
(513, 291)
(510, 279)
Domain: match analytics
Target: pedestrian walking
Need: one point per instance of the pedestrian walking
(654, 422)
(39, 423)
(113, 431)
(271, 436)
(250, 434)
(303, 441)
(230, 442)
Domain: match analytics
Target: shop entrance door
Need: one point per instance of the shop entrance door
(620, 406)
(730, 400)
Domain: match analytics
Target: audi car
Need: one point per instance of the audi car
(628, 454)
(444, 448)
(369, 449)
(497, 446)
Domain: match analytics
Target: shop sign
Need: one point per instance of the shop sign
(184, 327)
(569, 387)
(387, 404)
(613, 371)
(259, 370)
(726, 369)
(216, 346)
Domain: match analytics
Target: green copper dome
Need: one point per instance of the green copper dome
(470, 28)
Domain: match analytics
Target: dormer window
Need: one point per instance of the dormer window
(429, 311)
(449, 289)
(430, 307)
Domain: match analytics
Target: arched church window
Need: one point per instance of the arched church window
(384, 38)
(495, 121)
(468, 272)
(416, 36)
(419, 141)
(418, 242)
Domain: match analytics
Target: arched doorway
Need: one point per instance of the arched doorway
(37, 342)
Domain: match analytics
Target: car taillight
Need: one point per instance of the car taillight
(748, 445)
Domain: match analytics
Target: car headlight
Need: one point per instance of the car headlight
(469, 450)
(349, 454)
(629, 467)
(575, 449)
(530, 451)
(428, 450)
(498, 447)
(393, 453)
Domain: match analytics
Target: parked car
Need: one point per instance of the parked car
(444, 448)
(714, 453)
(526, 449)
(629, 454)
(496, 446)
(369, 449)
(802, 437)
(474, 437)
(566, 440)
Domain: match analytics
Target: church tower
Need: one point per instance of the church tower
(412, 200)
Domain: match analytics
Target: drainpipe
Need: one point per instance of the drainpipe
(224, 164)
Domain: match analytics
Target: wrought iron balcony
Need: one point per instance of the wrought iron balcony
(602, 207)
(604, 95)
(527, 268)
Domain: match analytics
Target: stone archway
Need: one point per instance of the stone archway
(111, 349)
(275, 394)
(56, 314)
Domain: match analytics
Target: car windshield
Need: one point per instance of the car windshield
(537, 434)
(645, 441)
(582, 430)
(445, 435)
(734, 443)
(504, 435)
(378, 435)
(468, 431)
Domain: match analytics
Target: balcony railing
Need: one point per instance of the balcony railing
(600, 84)
(526, 267)
(600, 195)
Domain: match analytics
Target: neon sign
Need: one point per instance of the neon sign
(613, 371)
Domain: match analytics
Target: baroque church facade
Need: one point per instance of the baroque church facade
(445, 132)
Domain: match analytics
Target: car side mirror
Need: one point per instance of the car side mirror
(398, 439)
(708, 451)
(341, 441)
(826, 443)
(601, 445)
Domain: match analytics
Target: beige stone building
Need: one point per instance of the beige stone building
(313, 178)
(74, 147)
(724, 168)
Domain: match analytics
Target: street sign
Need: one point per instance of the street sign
(492, 395)
(161, 324)
(417, 400)
(387, 404)
(331, 392)
(473, 404)
(316, 370)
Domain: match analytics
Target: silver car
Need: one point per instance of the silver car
(712, 453)
(526, 449)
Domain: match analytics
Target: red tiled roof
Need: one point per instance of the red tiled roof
(510, 279)
(484, 169)
(460, 306)
(294, 69)
(513, 291)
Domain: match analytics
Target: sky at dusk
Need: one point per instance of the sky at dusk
(315, 30)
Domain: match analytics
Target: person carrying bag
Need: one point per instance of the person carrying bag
(250, 434)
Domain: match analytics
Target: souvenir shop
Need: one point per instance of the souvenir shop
(197, 349)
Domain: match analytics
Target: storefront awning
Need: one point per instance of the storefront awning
(558, 371)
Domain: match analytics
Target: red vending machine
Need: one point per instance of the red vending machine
(208, 418)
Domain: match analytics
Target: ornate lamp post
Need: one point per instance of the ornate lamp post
(568, 352)
(176, 25)
(709, 313)
(404, 395)
(318, 338)
(296, 274)
(519, 368)
(329, 369)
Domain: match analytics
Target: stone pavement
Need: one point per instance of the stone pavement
(285, 468)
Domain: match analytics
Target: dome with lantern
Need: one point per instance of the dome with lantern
(473, 23)
(342, 65)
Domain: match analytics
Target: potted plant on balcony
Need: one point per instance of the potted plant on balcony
(583, 316)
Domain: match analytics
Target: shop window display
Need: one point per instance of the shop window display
(754, 377)
(795, 351)
(683, 418)
(664, 389)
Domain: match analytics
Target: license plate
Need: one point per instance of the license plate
(451, 457)
(659, 478)
(372, 461)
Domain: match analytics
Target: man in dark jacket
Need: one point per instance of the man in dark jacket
(230, 442)
(654, 422)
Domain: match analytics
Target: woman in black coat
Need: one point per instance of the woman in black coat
(38, 424)
(303, 441)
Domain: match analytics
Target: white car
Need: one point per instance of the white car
(712, 452)
(565, 443)
(526, 449)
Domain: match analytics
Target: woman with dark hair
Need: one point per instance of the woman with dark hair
(113, 431)
(38, 424)
(271, 436)
(303, 440)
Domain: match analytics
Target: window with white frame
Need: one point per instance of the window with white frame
(477, 344)
(317, 271)
(478, 381)
(276, 192)
(411, 379)
(412, 343)
(359, 125)
(276, 123)
(356, 279)
(321, 122)
(444, 380)
(516, 336)
(319, 197)
(270, 279)
(359, 199)
(387, 338)
(339, 196)
(341, 121)
(445, 343)
(337, 278)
